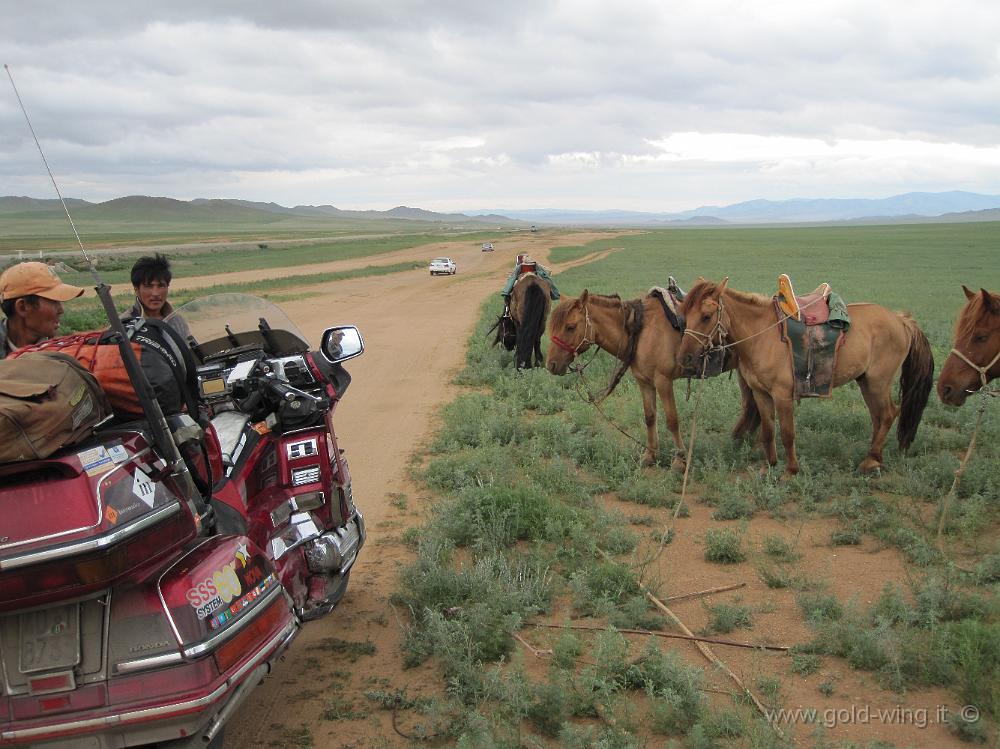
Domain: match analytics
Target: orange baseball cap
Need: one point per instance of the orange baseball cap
(35, 278)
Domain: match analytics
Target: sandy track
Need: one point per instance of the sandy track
(415, 328)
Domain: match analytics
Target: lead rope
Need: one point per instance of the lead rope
(583, 390)
(946, 501)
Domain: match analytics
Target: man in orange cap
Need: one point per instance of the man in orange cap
(31, 297)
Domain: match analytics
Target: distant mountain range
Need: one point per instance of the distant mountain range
(913, 207)
(910, 207)
(145, 208)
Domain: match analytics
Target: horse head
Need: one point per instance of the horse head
(975, 356)
(571, 332)
(706, 322)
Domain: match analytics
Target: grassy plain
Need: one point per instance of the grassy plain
(534, 485)
(86, 314)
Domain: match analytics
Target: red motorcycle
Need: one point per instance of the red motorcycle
(150, 578)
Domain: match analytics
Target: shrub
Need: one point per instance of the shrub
(724, 546)
(726, 617)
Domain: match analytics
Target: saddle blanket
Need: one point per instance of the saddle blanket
(813, 351)
(671, 306)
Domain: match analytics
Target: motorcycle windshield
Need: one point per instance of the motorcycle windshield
(225, 321)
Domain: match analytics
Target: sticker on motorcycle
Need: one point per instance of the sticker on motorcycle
(94, 460)
(244, 573)
(236, 607)
(215, 591)
(143, 488)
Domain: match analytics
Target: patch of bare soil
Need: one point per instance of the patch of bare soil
(415, 327)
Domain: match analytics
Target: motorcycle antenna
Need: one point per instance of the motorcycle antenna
(24, 111)
(157, 421)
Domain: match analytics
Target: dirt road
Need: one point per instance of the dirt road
(415, 327)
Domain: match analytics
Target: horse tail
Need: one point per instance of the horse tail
(495, 327)
(915, 382)
(532, 325)
(749, 420)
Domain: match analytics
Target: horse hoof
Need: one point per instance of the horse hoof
(678, 464)
(870, 467)
(648, 459)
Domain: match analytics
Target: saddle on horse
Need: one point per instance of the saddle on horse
(811, 309)
(813, 335)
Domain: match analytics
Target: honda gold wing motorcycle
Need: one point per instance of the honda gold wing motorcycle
(146, 587)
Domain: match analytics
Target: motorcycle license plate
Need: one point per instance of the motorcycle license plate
(50, 639)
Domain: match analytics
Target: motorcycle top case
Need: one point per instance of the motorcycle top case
(47, 400)
(85, 518)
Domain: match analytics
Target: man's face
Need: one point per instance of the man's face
(152, 296)
(41, 318)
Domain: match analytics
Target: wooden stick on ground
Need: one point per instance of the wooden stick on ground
(705, 651)
(534, 651)
(669, 636)
(698, 594)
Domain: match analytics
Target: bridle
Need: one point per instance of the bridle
(714, 339)
(981, 370)
(584, 342)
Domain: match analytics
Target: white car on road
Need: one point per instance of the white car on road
(443, 265)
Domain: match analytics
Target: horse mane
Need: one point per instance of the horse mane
(973, 311)
(704, 289)
(634, 310)
(560, 313)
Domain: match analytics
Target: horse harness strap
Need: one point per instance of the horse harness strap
(718, 335)
(585, 341)
(981, 370)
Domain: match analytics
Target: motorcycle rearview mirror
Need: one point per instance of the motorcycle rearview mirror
(342, 343)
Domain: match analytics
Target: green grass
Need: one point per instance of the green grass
(522, 466)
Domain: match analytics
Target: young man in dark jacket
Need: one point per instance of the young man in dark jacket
(151, 281)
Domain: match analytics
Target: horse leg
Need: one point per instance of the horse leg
(765, 405)
(665, 389)
(883, 411)
(786, 420)
(649, 412)
(539, 360)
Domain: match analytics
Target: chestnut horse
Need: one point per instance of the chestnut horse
(529, 308)
(975, 358)
(879, 343)
(638, 333)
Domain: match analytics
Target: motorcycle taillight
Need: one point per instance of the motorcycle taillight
(244, 644)
(93, 567)
(187, 678)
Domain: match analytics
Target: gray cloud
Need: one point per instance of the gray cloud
(455, 105)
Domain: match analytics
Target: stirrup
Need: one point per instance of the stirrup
(786, 298)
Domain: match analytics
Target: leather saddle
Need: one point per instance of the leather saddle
(811, 308)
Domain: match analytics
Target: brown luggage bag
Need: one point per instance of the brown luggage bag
(47, 401)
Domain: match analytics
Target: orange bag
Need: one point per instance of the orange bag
(166, 370)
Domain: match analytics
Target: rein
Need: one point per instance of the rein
(584, 342)
(715, 340)
(582, 388)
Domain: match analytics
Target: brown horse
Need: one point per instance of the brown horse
(975, 358)
(879, 343)
(529, 308)
(638, 333)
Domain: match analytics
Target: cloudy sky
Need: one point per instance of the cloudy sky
(653, 105)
